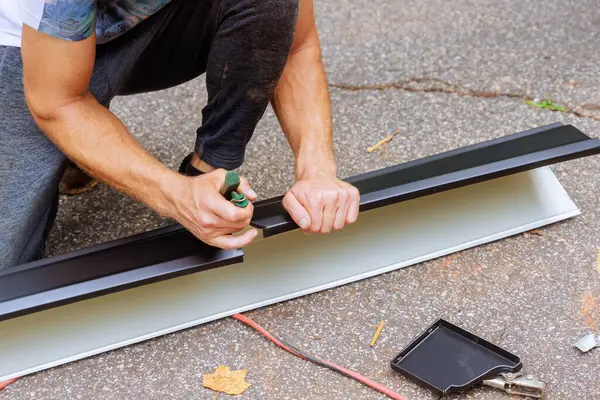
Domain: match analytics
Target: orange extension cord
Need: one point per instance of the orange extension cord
(327, 364)
(6, 383)
(298, 353)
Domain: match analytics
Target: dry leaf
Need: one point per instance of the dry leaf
(226, 381)
(536, 232)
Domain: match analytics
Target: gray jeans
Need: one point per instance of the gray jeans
(242, 45)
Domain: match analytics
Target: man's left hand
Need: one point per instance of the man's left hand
(322, 202)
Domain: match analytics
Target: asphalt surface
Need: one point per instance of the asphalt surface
(533, 294)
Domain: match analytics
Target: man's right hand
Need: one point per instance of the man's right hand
(57, 75)
(199, 206)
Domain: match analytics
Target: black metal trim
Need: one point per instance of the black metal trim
(489, 160)
(169, 252)
(118, 265)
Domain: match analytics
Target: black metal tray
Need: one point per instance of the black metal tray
(446, 358)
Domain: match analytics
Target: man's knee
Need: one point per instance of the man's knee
(278, 20)
(286, 15)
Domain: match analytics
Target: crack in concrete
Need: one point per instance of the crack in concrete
(433, 85)
(502, 333)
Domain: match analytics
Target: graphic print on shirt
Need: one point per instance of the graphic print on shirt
(68, 19)
(115, 17)
(74, 20)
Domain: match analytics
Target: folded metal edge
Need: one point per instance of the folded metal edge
(155, 247)
(113, 283)
(146, 258)
(272, 218)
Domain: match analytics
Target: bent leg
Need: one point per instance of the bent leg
(247, 57)
(30, 168)
(242, 45)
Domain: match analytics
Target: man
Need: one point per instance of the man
(62, 61)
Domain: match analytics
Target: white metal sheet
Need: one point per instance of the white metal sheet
(287, 266)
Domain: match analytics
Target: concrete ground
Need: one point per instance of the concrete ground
(431, 69)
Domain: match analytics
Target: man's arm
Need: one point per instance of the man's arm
(318, 201)
(57, 74)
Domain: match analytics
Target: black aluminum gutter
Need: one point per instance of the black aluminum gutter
(170, 252)
(484, 161)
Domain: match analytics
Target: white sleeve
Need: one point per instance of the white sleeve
(31, 12)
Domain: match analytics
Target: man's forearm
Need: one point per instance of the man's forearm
(303, 108)
(318, 201)
(95, 139)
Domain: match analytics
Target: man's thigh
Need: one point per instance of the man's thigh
(169, 48)
(30, 167)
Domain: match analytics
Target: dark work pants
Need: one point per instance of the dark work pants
(241, 45)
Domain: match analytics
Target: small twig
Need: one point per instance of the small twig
(383, 141)
(377, 333)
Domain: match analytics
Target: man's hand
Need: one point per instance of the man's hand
(322, 202)
(90, 135)
(318, 201)
(200, 207)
